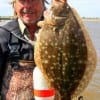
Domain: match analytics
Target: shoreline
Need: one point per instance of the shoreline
(91, 19)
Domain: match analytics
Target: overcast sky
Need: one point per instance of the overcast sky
(86, 8)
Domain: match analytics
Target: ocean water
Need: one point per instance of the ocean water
(93, 28)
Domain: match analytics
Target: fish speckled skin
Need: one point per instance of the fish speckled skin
(64, 52)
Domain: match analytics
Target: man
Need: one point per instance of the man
(16, 50)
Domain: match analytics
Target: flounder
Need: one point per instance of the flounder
(64, 52)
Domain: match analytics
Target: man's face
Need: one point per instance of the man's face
(29, 10)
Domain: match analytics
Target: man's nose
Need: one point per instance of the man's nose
(27, 3)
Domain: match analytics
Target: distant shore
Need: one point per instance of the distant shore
(83, 18)
(91, 19)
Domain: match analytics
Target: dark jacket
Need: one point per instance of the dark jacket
(13, 47)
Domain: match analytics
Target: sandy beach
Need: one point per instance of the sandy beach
(91, 95)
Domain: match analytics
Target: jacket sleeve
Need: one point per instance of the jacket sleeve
(2, 67)
(3, 53)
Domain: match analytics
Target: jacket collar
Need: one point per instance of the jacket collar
(13, 27)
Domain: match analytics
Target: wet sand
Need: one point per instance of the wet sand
(91, 95)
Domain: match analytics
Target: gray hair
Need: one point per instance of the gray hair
(13, 1)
